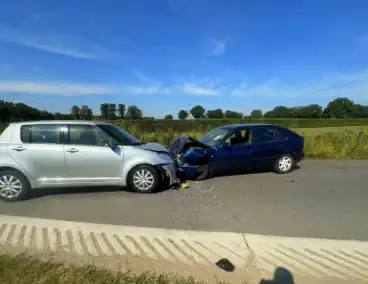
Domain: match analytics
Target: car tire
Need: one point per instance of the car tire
(144, 179)
(285, 164)
(14, 186)
(204, 172)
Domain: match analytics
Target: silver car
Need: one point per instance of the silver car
(48, 154)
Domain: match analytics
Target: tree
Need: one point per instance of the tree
(233, 114)
(360, 111)
(134, 112)
(198, 111)
(279, 112)
(169, 116)
(309, 111)
(121, 110)
(111, 111)
(257, 113)
(339, 108)
(85, 113)
(75, 112)
(216, 113)
(183, 114)
(104, 111)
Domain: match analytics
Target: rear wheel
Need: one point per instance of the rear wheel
(14, 186)
(285, 164)
(144, 179)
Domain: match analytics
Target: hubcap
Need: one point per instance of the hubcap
(285, 164)
(143, 179)
(10, 186)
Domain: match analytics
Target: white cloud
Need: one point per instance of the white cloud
(150, 90)
(218, 49)
(76, 89)
(52, 88)
(63, 44)
(352, 85)
(197, 90)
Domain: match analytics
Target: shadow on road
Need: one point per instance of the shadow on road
(252, 172)
(39, 193)
(281, 276)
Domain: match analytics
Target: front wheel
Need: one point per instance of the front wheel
(144, 179)
(285, 164)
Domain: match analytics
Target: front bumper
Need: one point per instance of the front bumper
(170, 170)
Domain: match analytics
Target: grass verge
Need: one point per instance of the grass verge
(23, 269)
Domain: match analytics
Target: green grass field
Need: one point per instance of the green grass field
(319, 130)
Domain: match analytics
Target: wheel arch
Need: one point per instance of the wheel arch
(19, 170)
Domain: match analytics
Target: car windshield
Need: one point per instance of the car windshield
(215, 137)
(120, 136)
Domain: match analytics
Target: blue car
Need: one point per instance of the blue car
(235, 149)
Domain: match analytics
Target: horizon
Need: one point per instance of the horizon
(168, 55)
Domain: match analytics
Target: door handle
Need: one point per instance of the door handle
(19, 148)
(72, 150)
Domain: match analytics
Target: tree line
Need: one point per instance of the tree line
(337, 108)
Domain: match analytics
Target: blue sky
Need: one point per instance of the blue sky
(165, 55)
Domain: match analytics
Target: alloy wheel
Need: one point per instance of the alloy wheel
(143, 179)
(285, 164)
(10, 186)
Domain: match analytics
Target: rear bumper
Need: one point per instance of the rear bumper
(299, 156)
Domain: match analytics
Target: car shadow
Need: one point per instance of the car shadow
(252, 172)
(39, 193)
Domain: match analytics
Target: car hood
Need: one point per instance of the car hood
(156, 147)
(182, 143)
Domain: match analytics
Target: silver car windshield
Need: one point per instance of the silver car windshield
(215, 137)
(120, 136)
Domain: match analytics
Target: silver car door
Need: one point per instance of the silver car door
(88, 160)
(37, 149)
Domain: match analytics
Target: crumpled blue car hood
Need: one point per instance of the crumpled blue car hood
(191, 151)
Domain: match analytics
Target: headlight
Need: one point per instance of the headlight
(165, 156)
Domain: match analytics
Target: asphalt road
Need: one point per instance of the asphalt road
(324, 199)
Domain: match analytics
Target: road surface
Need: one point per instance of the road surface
(323, 199)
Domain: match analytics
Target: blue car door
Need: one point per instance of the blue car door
(233, 158)
(268, 145)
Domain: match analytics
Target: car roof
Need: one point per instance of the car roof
(87, 122)
(246, 125)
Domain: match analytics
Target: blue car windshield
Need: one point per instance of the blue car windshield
(120, 136)
(215, 137)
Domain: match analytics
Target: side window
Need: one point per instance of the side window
(83, 135)
(25, 133)
(40, 134)
(270, 134)
(241, 138)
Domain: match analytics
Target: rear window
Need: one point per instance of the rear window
(40, 134)
(269, 134)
